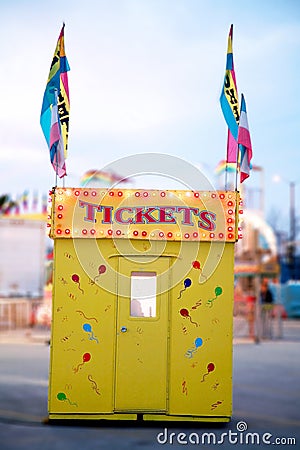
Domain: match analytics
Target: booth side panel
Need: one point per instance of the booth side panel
(83, 332)
(201, 335)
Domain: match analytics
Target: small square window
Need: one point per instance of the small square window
(143, 294)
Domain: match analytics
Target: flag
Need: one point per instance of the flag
(25, 200)
(224, 166)
(102, 177)
(229, 103)
(56, 144)
(35, 200)
(44, 204)
(56, 107)
(244, 142)
(17, 205)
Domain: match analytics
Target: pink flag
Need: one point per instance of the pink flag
(244, 142)
(57, 155)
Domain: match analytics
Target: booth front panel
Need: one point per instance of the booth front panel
(141, 329)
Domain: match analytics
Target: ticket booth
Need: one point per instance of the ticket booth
(142, 304)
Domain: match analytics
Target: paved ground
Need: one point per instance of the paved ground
(266, 398)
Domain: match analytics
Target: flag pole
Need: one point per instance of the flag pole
(226, 166)
(226, 171)
(236, 171)
(237, 167)
(56, 130)
(244, 143)
(229, 105)
(237, 151)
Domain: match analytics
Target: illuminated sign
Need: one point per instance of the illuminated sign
(140, 214)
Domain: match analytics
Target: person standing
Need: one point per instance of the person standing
(267, 300)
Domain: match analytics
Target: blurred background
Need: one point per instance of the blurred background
(146, 76)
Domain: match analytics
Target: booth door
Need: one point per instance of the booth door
(142, 335)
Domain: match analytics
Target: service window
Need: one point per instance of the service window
(143, 294)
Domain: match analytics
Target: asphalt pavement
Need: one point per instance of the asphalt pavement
(266, 402)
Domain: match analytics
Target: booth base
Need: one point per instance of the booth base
(140, 417)
(162, 418)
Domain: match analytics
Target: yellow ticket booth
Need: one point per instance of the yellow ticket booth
(142, 304)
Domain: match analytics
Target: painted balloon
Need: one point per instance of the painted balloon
(184, 312)
(61, 396)
(210, 367)
(187, 282)
(75, 278)
(101, 269)
(86, 357)
(87, 327)
(196, 264)
(198, 342)
(218, 291)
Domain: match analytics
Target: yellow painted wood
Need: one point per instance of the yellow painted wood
(174, 366)
(98, 416)
(141, 381)
(85, 385)
(169, 418)
(200, 376)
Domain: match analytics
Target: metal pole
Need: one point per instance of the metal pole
(292, 228)
(257, 285)
(258, 321)
(262, 192)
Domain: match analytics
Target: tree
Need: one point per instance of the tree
(6, 203)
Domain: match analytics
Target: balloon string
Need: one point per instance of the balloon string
(93, 338)
(88, 318)
(94, 385)
(77, 368)
(92, 381)
(80, 288)
(71, 403)
(180, 293)
(189, 353)
(204, 376)
(195, 323)
(209, 302)
(97, 276)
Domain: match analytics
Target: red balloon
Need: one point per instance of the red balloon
(196, 264)
(75, 278)
(184, 312)
(101, 269)
(210, 367)
(86, 357)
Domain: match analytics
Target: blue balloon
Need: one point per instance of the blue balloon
(87, 327)
(198, 342)
(187, 282)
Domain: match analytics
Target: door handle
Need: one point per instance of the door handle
(123, 329)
